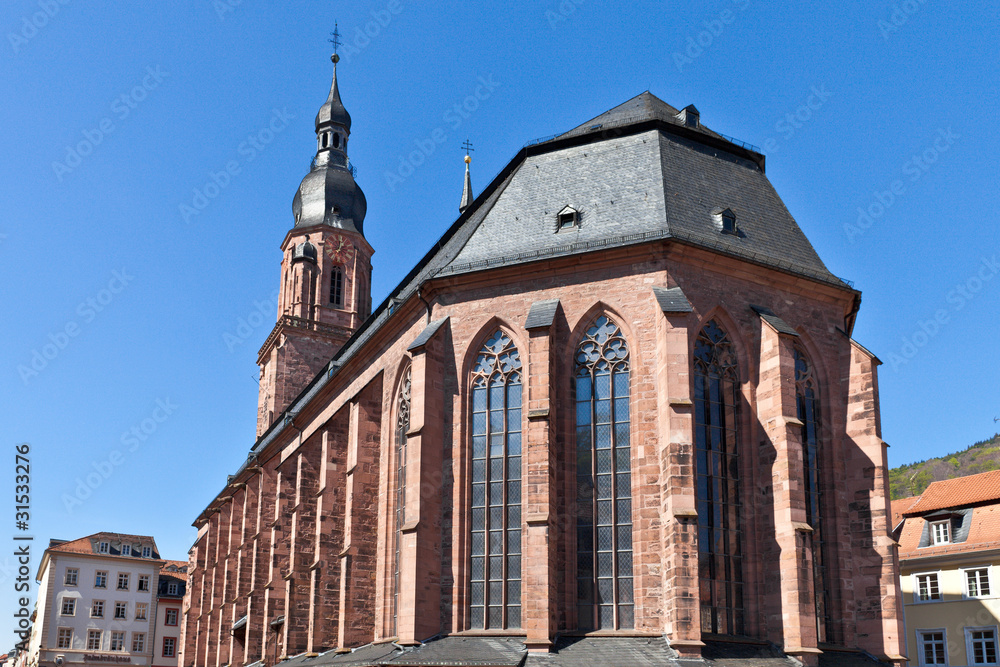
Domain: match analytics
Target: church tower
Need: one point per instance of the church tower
(325, 270)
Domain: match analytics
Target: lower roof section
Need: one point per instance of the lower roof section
(464, 651)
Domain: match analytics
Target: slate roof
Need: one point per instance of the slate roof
(650, 179)
(85, 545)
(462, 651)
(958, 492)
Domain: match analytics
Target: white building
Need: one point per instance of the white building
(96, 602)
(169, 610)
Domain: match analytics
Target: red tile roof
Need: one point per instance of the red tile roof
(984, 533)
(898, 507)
(958, 492)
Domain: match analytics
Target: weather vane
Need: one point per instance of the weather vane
(335, 41)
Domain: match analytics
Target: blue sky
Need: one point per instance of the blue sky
(878, 120)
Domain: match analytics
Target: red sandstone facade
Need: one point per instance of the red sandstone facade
(297, 554)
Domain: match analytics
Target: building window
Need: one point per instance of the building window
(68, 607)
(496, 485)
(807, 401)
(102, 548)
(117, 641)
(729, 223)
(93, 640)
(402, 426)
(927, 587)
(932, 647)
(337, 287)
(65, 638)
(72, 574)
(171, 617)
(138, 642)
(568, 217)
(603, 480)
(97, 609)
(941, 532)
(101, 579)
(123, 581)
(169, 644)
(172, 588)
(147, 552)
(121, 610)
(977, 582)
(981, 645)
(126, 550)
(140, 611)
(143, 583)
(717, 466)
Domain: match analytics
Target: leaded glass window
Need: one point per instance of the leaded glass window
(337, 287)
(495, 600)
(603, 480)
(717, 470)
(807, 401)
(402, 426)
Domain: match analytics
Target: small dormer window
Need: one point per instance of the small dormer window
(729, 223)
(126, 550)
(147, 552)
(568, 217)
(941, 532)
(102, 548)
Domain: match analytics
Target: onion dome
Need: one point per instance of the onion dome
(328, 195)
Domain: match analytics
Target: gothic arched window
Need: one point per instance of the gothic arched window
(603, 480)
(717, 469)
(402, 426)
(495, 600)
(337, 287)
(807, 401)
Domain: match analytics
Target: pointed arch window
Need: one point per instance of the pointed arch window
(337, 287)
(717, 474)
(495, 600)
(603, 480)
(402, 426)
(807, 402)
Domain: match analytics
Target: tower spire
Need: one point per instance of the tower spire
(467, 190)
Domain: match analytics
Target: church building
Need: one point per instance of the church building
(615, 416)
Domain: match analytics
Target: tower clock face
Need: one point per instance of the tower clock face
(339, 248)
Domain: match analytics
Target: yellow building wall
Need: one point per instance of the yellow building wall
(953, 613)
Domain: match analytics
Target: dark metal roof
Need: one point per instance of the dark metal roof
(780, 325)
(460, 651)
(333, 110)
(541, 314)
(672, 300)
(426, 335)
